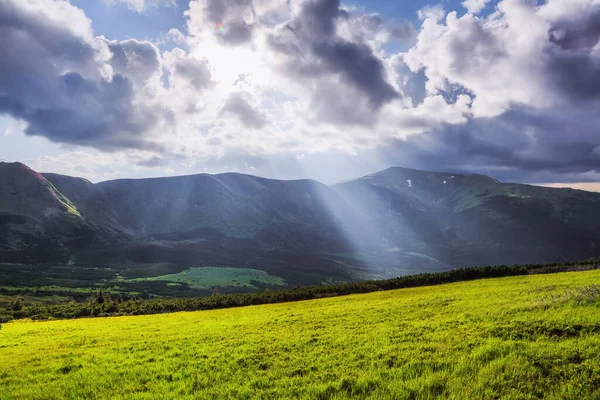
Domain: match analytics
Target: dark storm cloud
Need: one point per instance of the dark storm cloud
(89, 113)
(360, 67)
(238, 105)
(50, 77)
(570, 60)
(310, 40)
(582, 32)
(520, 145)
(317, 18)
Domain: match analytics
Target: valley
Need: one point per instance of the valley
(126, 236)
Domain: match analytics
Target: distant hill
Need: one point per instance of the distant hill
(390, 223)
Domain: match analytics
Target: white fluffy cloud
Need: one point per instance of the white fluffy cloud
(474, 6)
(519, 55)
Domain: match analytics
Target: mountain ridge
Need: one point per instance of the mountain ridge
(393, 222)
(451, 173)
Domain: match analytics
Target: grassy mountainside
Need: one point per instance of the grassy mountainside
(226, 220)
(37, 222)
(90, 201)
(519, 337)
(272, 214)
(473, 219)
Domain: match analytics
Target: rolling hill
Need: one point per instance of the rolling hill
(390, 223)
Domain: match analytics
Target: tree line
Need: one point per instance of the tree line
(103, 304)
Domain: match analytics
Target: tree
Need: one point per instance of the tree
(16, 304)
(100, 297)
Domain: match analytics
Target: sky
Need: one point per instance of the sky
(290, 89)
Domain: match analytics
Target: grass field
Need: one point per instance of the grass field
(208, 277)
(512, 338)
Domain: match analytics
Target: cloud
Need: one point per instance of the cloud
(359, 67)
(574, 54)
(312, 50)
(139, 61)
(532, 74)
(411, 84)
(154, 161)
(68, 85)
(375, 29)
(94, 165)
(239, 105)
(522, 145)
(15, 127)
(285, 88)
(140, 5)
(520, 55)
(188, 81)
(340, 105)
(433, 12)
(173, 36)
(474, 6)
(184, 70)
(230, 21)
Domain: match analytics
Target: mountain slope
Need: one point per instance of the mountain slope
(38, 222)
(473, 219)
(229, 220)
(88, 199)
(240, 206)
(279, 214)
(390, 223)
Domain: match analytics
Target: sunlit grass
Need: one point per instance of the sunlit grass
(497, 338)
(207, 277)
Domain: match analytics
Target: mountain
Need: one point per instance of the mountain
(225, 220)
(473, 219)
(38, 222)
(389, 223)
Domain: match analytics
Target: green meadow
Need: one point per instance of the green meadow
(526, 337)
(208, 277)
